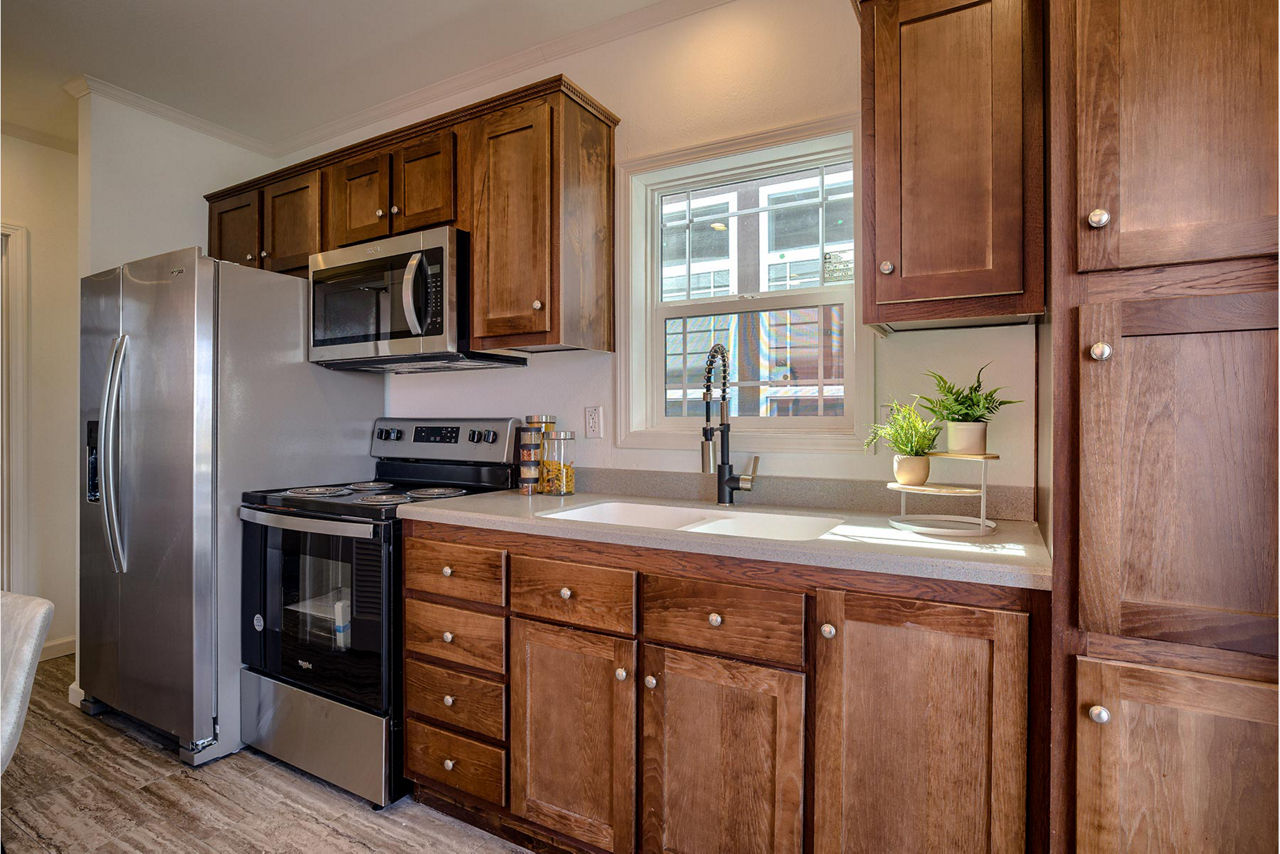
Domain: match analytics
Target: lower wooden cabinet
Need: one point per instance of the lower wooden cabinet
(723, 755)
(455, 761)
(1173, 761)
(920, 717)
(573, 711)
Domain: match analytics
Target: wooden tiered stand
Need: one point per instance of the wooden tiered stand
(945, 525)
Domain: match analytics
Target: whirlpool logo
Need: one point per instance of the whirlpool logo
(305, 665)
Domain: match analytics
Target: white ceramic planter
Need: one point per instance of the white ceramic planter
(967, 437)
(910, 471)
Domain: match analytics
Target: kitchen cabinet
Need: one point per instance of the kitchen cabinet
(1176, 151)
(235, 229)
(291, 221)
(573, 732)
(951, 224)
(723, 755)
(1173, 761)
(360, 200)
(1178, 399)
(405, 189)
(920, 726)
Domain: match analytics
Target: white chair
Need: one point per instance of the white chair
(24, 622)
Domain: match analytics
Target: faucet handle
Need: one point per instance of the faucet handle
(746, 481)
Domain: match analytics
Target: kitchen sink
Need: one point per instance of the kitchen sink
(733, 523)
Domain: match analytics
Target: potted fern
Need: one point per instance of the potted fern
(911, 438)
(965, 410)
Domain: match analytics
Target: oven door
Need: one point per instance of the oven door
(318, 599)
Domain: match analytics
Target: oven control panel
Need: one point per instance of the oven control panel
(479, 440)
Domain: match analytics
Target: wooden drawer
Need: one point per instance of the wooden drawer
(474, 768)
(452, 634)
(464, 701)
(762, 624)
(465, 572)
(598, 598)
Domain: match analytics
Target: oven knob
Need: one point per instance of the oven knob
(383, 434)
(395, 434)
(473, 435)
(490, 436)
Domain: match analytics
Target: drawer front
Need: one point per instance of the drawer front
(464, 572)
(455, 698)
(597, 598)
(452, 634)
(455, 761)
(739, 621)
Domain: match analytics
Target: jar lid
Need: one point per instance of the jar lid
(539, 419)
(565, 434)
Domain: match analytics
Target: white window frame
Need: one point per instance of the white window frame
(640, 375)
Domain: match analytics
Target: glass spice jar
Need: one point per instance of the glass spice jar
(557, 464)
(529, 455)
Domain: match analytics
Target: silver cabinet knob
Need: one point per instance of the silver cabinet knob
(448, 764)
(1099, 714)
(828, 631)
(264, 253)
(886, 267)
(378, 213)
(537, 305)
(448, 701)
(446, 571)
(395, 210)
(565, 592)
(620, 674)
(249, 257)
(1100, 352)
(448, 637)
(715, 619)
(650, 682)
(1098, 218)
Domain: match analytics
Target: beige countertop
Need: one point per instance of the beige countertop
(1014, 555)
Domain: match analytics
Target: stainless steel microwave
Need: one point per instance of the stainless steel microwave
(398, 305)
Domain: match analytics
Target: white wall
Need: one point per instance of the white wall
(39, 192)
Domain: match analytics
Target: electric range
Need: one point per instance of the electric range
(320, 637)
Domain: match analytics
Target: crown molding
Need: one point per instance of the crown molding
(646, 18)
(83, 85)
(39, 137)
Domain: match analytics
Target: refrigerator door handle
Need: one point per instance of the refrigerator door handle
(109, 419)
(406, 294)
(354, 530)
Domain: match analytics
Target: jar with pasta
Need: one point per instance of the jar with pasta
(557, 463)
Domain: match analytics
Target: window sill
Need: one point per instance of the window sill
(744, 440)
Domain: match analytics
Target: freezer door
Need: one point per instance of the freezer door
(99, 581)
(166, 493)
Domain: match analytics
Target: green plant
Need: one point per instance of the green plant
(954, 403)
(905, 430)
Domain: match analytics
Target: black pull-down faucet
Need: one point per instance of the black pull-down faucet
(726, 481)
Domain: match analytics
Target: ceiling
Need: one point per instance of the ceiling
(279, 72)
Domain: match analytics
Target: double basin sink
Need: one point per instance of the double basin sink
(733, 523)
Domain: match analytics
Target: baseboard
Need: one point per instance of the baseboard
(57, 648)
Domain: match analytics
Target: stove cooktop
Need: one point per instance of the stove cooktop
(365, 500)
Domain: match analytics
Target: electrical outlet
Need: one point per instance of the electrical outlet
(594, 422)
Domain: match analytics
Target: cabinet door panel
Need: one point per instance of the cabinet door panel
(423, 183)
(920, 726)
(291, 221)
(360, 200)
(723, 756)
(235, 229)
(511, 240)
(1177, 144)
(1186, 762)
(948, 149)
(1178, 471)
(573, 731)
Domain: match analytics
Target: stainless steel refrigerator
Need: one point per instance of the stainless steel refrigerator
(194, 387)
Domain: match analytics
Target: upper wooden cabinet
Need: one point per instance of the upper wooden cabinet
(920, 721)
(1172, 761)
(360, 200)
(1177, 513)
(952, 225)
(291, 221)
(235, 229)
(723, 755)
(423, 177)
(1176, 149)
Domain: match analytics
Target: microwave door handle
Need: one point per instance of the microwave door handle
(406, 294)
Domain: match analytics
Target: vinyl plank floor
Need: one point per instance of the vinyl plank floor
(109, 785)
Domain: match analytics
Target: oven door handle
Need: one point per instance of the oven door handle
(354, 530)
(406, 294)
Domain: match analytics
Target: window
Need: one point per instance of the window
(754, 251)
